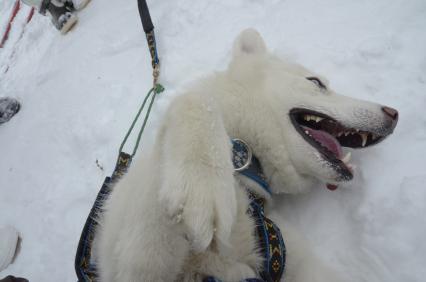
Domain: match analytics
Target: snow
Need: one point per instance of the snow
(79, 93)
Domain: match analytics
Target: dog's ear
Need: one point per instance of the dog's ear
(249, 42)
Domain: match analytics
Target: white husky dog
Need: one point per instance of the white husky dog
(180, 214)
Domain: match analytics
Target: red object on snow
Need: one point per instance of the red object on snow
(15, 10)
(30, 15)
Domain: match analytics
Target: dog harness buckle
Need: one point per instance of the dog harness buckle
(241, 154)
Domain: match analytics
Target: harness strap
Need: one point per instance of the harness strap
(270, 241)
(84, 265)
(267, 232)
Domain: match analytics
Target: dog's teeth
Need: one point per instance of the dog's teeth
(346, 133)
(347, 158)
(307, 117)
(318, 119)
(364, 138)
(352, 167)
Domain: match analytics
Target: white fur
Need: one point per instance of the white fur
(180, 213)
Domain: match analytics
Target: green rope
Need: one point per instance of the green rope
(157, 89)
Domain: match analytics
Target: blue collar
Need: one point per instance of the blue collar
(247, 164)
(269, 236)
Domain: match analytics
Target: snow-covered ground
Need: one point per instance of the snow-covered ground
(79, 93)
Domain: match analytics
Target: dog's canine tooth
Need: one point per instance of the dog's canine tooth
(352, 167)
(346, 158)
(364, 137)
(318, 119)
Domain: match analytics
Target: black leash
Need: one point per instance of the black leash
(85, 267)
(148, 28)
(145, 16)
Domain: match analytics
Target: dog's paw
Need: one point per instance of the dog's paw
(198, 216)
(196, 213)
(204, 203)
(237, 272)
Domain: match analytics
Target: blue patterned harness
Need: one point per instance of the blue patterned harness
(269, 236)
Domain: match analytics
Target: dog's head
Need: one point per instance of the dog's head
(301, 123)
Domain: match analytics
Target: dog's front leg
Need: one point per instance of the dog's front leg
(197, 186)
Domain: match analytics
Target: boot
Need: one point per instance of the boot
(76, 5)
(9, 239)
(62, 14)
(8, 108)
(69, 4)
(11, 278)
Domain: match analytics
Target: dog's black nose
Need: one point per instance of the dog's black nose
(392, 114)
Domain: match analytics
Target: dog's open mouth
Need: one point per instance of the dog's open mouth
(329, 136)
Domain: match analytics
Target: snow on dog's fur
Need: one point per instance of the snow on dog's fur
(180, 213)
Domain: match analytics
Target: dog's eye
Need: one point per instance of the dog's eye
(317, 81)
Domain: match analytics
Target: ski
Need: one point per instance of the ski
(28, 19)
(15, 11)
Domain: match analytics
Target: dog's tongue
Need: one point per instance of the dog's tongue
(331, 187)
(326, 140)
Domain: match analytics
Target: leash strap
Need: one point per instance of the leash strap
(145, 16)
(148, 27)
(153, 91)
(85, 267)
